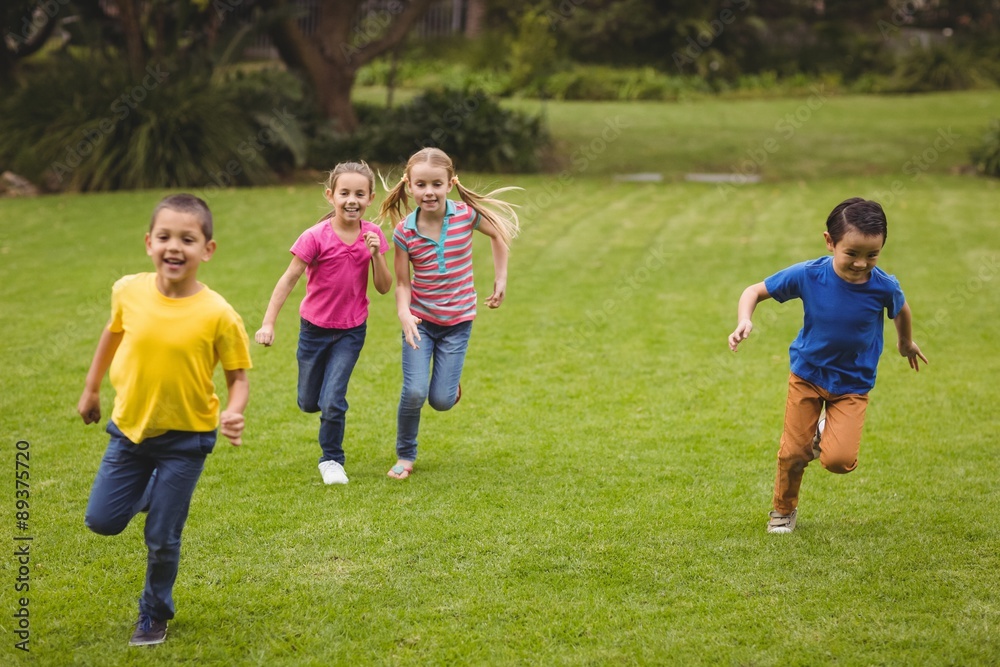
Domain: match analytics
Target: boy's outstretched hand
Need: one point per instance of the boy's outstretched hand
(231, 424)
(912, 353)
(740, 334)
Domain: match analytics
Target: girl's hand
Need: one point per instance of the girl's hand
(410, 331)
(912, 353)
(231, 424)
(499, 292)
(89, 406)
(740, 334)
(373, 243)
(265, 335)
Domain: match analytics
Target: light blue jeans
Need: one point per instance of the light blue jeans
(125, 484)
(445, 346)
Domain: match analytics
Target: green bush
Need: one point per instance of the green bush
(278, 109)
(941, 68)
(532, 53)
(87, 124)
(422, 74)
(468, 124)
(870, 84)
(986, 156)
(595, 83)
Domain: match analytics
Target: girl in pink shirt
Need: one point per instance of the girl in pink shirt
(437, 304)
(335, 254)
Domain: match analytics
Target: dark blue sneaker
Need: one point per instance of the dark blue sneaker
(148, 631)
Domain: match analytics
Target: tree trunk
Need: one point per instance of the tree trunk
(7, 62)
(475, 14)
(134, 44)
(27, 37)
(333, 92)
(344, 40)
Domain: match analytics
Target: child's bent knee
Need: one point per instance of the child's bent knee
(104, 527)
(840, 466)
(309, 408)
(441, 405)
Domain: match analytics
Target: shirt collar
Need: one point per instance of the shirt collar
(411, 220)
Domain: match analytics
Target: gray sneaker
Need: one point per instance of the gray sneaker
(782, 523)
(817, 438)
(148, 631)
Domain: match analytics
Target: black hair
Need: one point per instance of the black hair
(863, 215)
(185, 203)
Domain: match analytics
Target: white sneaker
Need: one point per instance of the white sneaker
(332, 472)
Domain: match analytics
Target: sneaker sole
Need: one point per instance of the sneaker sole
(154, 643)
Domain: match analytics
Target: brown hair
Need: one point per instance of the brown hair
(359, 167)
(397, 206)
(186, 203)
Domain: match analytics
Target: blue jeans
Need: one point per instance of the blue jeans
(326, 361)
(446, 346)
(123, 487)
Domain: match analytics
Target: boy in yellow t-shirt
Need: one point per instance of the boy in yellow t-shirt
(166, 334)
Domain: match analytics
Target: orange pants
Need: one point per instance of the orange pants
(845, 419)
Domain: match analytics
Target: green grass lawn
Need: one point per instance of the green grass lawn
(818, 136)
(599, 496)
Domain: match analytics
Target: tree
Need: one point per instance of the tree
(24, 28)
(346, 38)
(181, 34)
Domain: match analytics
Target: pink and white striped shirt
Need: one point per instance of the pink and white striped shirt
(442, 289)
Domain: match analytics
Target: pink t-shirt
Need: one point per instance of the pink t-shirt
(336, 275)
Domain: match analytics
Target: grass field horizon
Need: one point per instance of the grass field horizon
(599, 495)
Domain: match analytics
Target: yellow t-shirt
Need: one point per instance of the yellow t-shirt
(162, 371)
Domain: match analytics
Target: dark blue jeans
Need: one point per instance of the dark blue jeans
(326, 360)
(122, 488)
(446, 347)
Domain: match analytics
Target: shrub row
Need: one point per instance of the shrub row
(919, 70)
(85, 125)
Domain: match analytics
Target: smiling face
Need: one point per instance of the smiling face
(430, 186)
(178, 246)
(350, 195)
(854, 255)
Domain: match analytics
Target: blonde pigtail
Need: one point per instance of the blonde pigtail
(396, 204)
(501, 214)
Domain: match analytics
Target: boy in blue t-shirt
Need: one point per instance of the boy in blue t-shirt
(835, 355)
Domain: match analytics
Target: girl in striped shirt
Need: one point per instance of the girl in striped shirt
(436, 306)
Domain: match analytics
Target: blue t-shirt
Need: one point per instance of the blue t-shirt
(841, 337)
